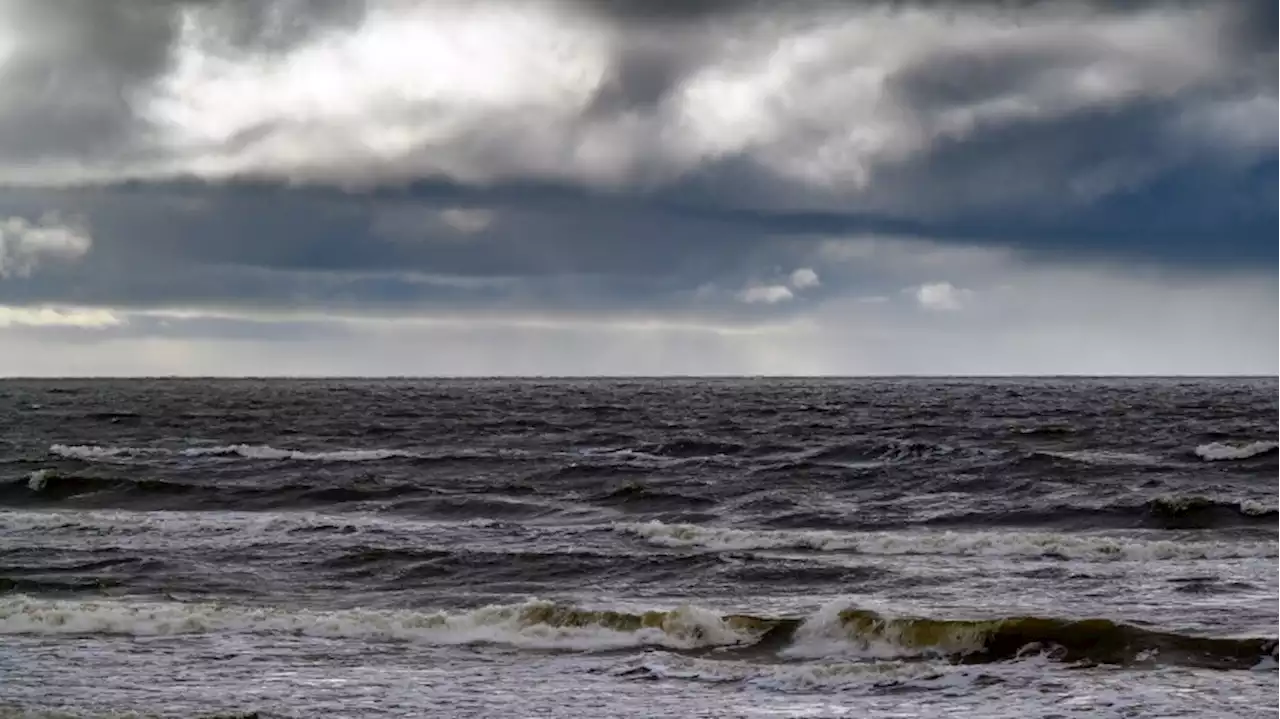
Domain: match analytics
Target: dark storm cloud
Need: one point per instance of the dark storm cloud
(66, 88)
(646, 69)
(672, 12)
(1255, 27)
(274, 26)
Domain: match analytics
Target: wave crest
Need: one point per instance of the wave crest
(1224, 452)
(533, 624)
(95, 453)
(1095, 547)
(549, 625)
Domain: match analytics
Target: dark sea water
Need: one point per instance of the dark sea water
(639, 548)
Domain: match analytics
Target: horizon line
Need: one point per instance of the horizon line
(546, 377)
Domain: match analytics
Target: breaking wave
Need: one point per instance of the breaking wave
(1167, 512)
(95, 453)
(1180, 512)
(50, 484)
(1095, 547)
(249, 451)
(896, 450)
(834, 630)
(1224, 452)
(1098, 457)
(532, 624)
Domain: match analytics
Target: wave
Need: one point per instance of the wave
(1224, 452)
(51, 485)
(1090, 547)
(96, 453)
(835, 630)
(689, 448)
(872, 450)
(116, 529)
(1170, 512)
(7, 712)
(532, 624)
(1096, 457)
(249, 451)
(39, 479)
(48, 485)
(883, 675)
(1048, 430)
(635, 496)
(112, 416)
(1179, 512)
(50, 585)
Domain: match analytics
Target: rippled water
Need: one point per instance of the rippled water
(1001, 548)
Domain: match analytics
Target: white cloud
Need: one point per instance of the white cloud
(833, 79)
(1243, 126)
(467, 221)
(766, 294)
(503, 90)
(941, 296)
(412, 223)
(24, 244)
(343, 106)
(9, 42)
(772, 294)
(83, 318)
(804, 278)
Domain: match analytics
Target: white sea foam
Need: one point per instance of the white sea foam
(1103, 457)
(250, 451)
(112, 529)
(94, 453)
(960, 543)
(523, 625)
(786, 677)
(1256, 508)
(37, 480)
(845, 675)
(1223, 452)
(826, 634)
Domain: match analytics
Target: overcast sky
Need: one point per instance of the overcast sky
(340, 187)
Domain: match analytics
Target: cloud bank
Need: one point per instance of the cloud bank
(611, 187)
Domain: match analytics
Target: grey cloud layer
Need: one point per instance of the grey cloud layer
(592, 161)
(228, 248)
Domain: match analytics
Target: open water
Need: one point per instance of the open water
(639, 548)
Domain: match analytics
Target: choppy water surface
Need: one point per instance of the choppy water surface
(737, 548)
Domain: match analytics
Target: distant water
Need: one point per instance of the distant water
(693, 548)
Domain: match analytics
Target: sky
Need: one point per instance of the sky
(348, 187)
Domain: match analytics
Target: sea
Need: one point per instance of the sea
(872, 548)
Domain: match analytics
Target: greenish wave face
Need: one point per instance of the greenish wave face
(1088, 641)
